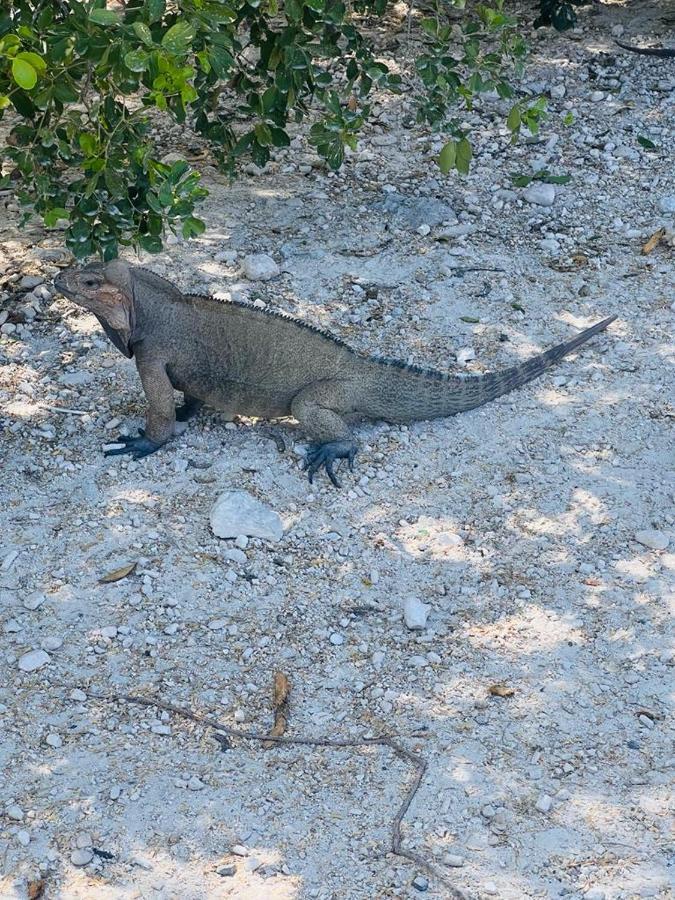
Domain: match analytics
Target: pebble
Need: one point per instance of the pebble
(115, 792)
(195, 784)
(28, 282)
(34, 600)
(454, 860)
(259, 267)
(650, 537)
(465, 355)
(239, 850)
(415, 613)
(54, 740)
(78, 695)
(33, 660)
(23, 837)
(14, 812)
(226, 871)
(81, 857)
(595, 893)
(234, 554)
(424, 229)
(544, 803)
(558, 91)
(667, 204)
(540, 194)
(490, 888)
(597, 96)
(420, 883)
(336, 639)
(237, 512)
(51, 642)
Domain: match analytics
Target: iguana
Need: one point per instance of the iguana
(244, 360)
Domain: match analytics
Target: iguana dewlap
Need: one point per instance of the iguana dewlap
(249, 361)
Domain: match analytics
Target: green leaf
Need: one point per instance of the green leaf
(155, 9)
(4, 101)
(24, 74)
(179, 37)
(136, 60)
(569, 119)
(513, 121)
(472, 320)
(37, 62)
(150, 242)
(142, 32)
(646, 143)
(104, 17)
(53, 216)
(463, 156)
(193, 227)
(521, 180)
(446, 159)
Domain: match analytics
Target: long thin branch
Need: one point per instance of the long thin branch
(384, 740)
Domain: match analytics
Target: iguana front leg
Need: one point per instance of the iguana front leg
(317, 409)
(160, 416)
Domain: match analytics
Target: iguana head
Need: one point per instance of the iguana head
(106, 290)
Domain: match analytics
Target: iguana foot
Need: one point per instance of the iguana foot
(324, 455)
(136, 447)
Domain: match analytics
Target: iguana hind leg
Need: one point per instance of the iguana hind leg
(319, 410)
(136, 447)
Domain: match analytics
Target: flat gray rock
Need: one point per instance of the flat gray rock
(235, 513)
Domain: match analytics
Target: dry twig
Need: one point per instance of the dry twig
(384, 740)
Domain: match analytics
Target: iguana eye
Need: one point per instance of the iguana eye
(91, 281)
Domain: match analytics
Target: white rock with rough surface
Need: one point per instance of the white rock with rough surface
(540, 194)
(81, 857)
(415, 614)
(259, 267)
(235, 513)
(650, 537)
(33, 660)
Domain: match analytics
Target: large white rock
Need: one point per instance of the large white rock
(540, 194)
(415, 613)
(259, 267)
(34, 659)
(235, 513)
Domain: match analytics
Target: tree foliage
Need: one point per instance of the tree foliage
(84, 81)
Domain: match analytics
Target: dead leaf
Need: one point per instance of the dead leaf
(592, 582)
(653, 242)
(353, 103)
(501, 690)
(35, 889)
(118, 574)
(282, 690)
(579, 259)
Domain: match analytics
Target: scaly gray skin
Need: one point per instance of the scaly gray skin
(249, 361)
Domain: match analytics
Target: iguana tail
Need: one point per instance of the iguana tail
(405, 393)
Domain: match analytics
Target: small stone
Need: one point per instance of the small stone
(195, 784)
(23, 837)
(226, 871)
(28, 282)
(82, 840)
(420, 883)
(415, 613)
(544, 803)
(81, 857)
(33, 660)
(465, 355)
(234, 554)
(54, 740)
(418, 662)
(34, 600)
(558, 91)
(238, 513)
(78, 695)
(650, 537)
(424, 229)
(239, 850)
(51, 642)
(241, 541)
(667, 204)
(14, 812)
(597, 96)
(490, 888)
(540, 194)
(336, 639)
(454, 860)
(115, 792)
(259, 267)
(595, 893)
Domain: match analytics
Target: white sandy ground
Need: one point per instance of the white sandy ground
(516, 523)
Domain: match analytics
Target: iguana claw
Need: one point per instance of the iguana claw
(324, 455)
(136, 447)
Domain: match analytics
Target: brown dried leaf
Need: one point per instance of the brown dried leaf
(282, 690)
(118, 574)
(353, 103)
(653, 242)
(35, 889)
(501, 690)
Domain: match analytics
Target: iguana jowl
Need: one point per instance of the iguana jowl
(250, 361)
